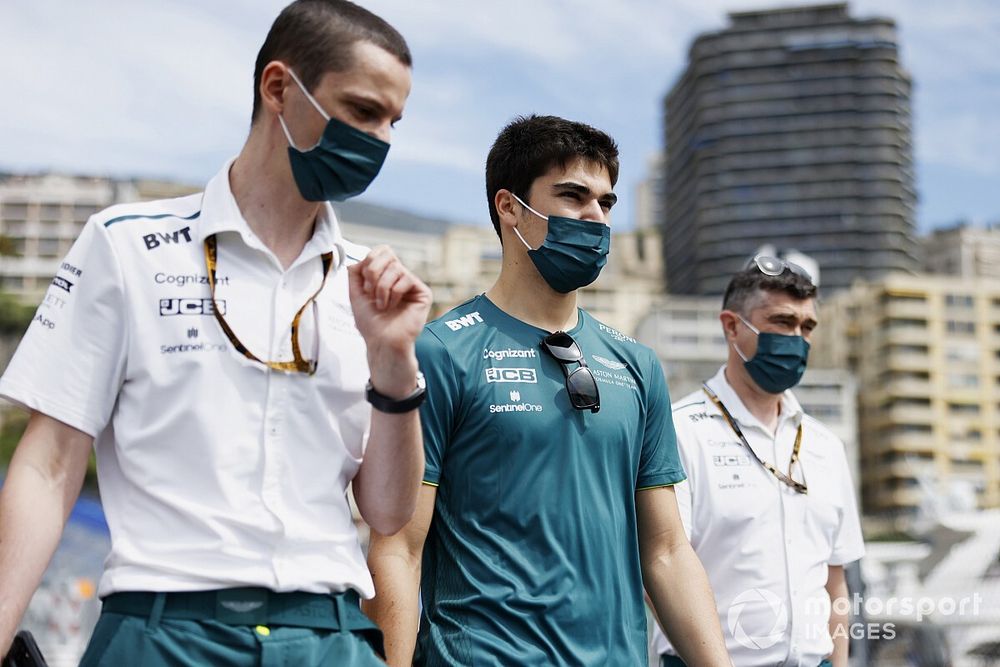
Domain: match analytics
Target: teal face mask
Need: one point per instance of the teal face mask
(341, 165)
(779, 362)
(573, 253)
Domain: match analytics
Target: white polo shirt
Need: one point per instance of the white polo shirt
(214, 471)
(765, 546)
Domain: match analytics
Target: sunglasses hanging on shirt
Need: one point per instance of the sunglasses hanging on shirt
(580, 383)
(299, 364)
(799, 487)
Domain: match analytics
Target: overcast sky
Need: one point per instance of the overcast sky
(163, 88)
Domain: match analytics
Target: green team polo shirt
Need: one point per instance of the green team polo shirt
(532, 557)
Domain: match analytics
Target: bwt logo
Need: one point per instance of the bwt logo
(764, 605)
(511, 375)
(464, 321)
(190, 307)
(155, 240)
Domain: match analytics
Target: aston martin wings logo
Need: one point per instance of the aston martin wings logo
(613, 365)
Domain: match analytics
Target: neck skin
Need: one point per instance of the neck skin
(521, 292)
(766, 407)
(265, 191)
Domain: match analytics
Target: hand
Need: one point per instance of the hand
(390, 307)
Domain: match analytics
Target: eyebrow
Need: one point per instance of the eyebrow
(784, 317)
(610, 198)
(360, 98)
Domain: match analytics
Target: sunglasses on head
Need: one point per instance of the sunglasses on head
(580, 383)
(774, 266)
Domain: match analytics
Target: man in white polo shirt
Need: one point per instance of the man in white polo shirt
(768, 504)
(218, 350)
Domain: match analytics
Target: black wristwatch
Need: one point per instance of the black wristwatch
(397, 406)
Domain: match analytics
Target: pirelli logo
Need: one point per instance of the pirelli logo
(524, 375)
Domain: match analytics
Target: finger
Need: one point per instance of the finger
(401, 289)
(390, 275)
(355, 281)
(374, 265)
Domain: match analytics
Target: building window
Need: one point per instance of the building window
(963, 380)
(50, 212)
(965, 409)
(961, 327)
(14, 211)
(48, 248)
(958, 301)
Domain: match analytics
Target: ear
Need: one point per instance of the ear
(507, 208)
(273, 82)
(729, 321)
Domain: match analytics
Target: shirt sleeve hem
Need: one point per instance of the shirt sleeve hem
(667, 478)
(32, 401)
(844, 559)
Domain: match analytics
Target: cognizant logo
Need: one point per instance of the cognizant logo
(509, 353)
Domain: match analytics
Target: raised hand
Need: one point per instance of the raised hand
(390, 307)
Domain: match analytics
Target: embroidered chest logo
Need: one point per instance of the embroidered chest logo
(610, 363)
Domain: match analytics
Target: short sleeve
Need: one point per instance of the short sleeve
(437, 414)
(849, 545)
(70, 363)
(659, 462)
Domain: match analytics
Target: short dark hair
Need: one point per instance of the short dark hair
(746, 284)
(531, 145)
(317, 36)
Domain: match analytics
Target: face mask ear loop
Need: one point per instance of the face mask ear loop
(543, 217)
(309, 97)
(522, 239)
(287, 133)
(749, 326)
(530, 209)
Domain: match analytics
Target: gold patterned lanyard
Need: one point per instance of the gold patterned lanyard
(299, 363)
(787, 479)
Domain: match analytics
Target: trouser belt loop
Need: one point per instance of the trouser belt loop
(341, 612)
(156, 611)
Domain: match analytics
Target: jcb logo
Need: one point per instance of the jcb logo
(190, 307)
(154, 240)
(527, 375)
(464, 321)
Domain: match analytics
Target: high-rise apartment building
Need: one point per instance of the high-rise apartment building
(926, 353)
(790, 127)
(963, 250)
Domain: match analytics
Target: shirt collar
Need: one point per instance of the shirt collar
(220, 213)
(790, 406)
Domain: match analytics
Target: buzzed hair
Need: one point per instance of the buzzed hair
(318, 36)
(743, 290)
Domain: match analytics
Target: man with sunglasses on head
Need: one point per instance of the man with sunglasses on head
(548, 493)
(768, 503)
(215, 350)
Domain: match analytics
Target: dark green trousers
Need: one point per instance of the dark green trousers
(673, 661)
(126, 641)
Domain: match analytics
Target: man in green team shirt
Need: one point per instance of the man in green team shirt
(548, 498)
